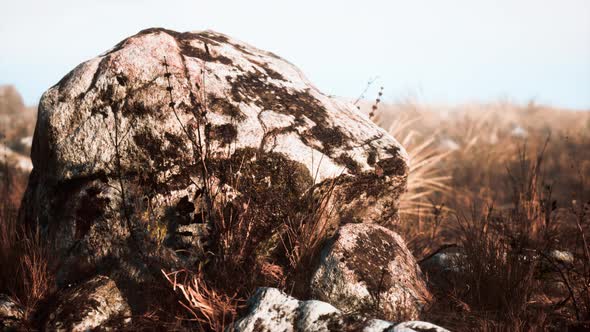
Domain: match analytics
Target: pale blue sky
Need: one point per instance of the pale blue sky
(442, 51)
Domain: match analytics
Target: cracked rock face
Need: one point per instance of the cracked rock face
(119, 145)
(95, 303)
(368, 269)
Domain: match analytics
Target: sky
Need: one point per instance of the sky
(434, 51)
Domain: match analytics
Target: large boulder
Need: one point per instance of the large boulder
(131, 146)
(368, 269)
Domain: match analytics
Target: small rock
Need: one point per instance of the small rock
(368, 269)
(562, 257)
(444, 260)
(444, 266)
(94, 303)
(519, 132)
(553, 283)
(377, 325)
(11, 314)
(272, 310)
(418, 326)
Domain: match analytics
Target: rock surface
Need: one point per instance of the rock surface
(377, 325)
(11, 314)
(126, 143)
(368, 269)
(95, 303)
(416, 326)
(272, 310)
(562, 257)
(444, 267)
(445, 260)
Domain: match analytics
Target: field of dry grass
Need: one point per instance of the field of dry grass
(505, 183)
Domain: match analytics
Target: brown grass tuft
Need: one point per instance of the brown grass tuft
(211, 309)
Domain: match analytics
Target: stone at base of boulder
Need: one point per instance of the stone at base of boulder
(369, 270)
(95, 303)
(418, 326)
(378, 325)
(272, 310)
(444, 267)
(11, 314)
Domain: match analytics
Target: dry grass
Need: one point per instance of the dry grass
(25, 274)
(209, 308)
(257, 235)
(241, 261)
(510, 182)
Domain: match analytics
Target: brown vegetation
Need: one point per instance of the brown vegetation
(507, 184)
(26, 273)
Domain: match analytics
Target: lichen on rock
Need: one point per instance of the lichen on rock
(269, 309)
(367, 269)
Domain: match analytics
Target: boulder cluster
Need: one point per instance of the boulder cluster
(131, 147)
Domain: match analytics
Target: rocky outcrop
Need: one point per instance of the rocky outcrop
(130, 146)
(95, 303)
(368, 269)
(11, 314)
(272, 310)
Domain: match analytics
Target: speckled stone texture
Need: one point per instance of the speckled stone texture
(95, 303)
(367, 269)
